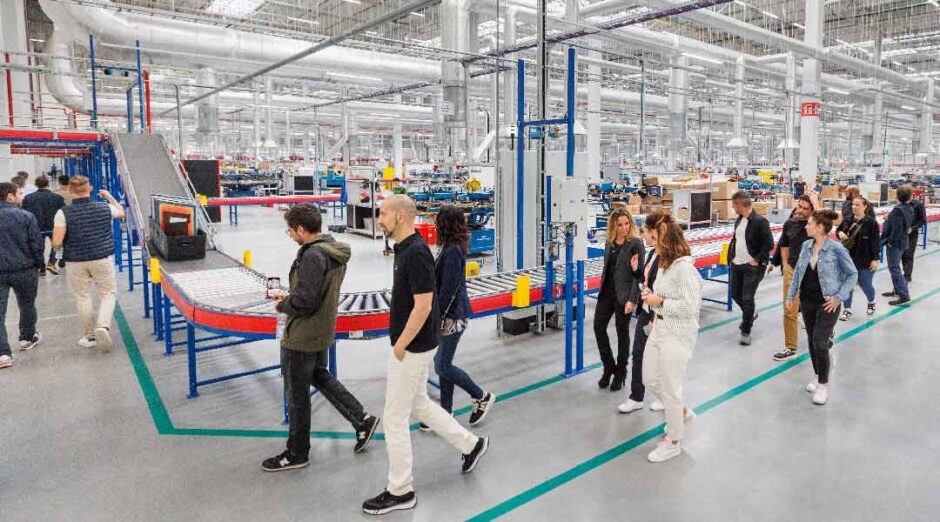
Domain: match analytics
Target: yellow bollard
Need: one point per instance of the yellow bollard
(155, 275)
(473, 268)
(520, 296)
(203, 200)
(246, 258)
(723, 257)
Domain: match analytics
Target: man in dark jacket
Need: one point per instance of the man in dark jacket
(748, 255)
(44, 204)
(311, 308)
(920, 219)
(895, 235)
(20, 260)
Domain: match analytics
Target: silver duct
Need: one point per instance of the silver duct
(207, 112)
(455, 31)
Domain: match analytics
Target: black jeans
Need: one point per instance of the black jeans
(907, 260)
(744, 282)
(301, 371)
(607, 307)
(637, 390)
(24, 284)
(819, 327)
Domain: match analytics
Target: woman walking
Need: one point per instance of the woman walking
(619, 294)
(860, 236)
(454, 304)
(824, 277)
(675, 302)
(644, 316)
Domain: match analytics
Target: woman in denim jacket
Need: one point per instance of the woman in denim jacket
(824, 278)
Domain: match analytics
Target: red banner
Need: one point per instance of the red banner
(810, 109)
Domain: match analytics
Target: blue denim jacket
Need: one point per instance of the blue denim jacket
(837, 273)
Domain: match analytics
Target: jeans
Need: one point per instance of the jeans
(301, 371)
(819, 328)
(451, 375)
(637, 390)
(406, 394)
(607, 307)
(907, 260)
(894, 266)
(865, 278)
(52, 252)
(744, 282)
(25, 284)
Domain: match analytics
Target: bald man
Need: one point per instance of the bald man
(413, 328)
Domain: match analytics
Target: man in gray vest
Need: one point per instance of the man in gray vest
(84, 230)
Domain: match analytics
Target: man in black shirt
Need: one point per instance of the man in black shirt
(748, 254)
(414, 324)
(920, 219)
(788, 253)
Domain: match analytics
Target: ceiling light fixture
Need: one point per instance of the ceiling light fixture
(702, 58)
(234, 8)
(311, 22)
(801, 26)
(837, 91)
(357, 2)
(37, 40)
(771, 15)
(419, 15)
(908, 107)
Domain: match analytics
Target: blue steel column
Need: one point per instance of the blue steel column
(94, 83)
(579, 360)
(191, 359)
(146, 283)
(140, 89)
(130, 111)
(520, 161)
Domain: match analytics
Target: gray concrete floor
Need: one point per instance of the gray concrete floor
(81, 443)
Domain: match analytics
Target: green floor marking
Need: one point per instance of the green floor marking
(595, 462)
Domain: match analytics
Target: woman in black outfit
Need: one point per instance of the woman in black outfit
(619, 294)
(860, 236)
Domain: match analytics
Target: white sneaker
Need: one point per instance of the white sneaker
(88, 342)
(630, 405)
(29, 345)
(665, 450)
(656, 406)
(811, 387)
(689, 414)
(103, 338)
(6, 361)
(821, 395)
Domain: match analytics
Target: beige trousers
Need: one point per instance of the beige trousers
(100, 273)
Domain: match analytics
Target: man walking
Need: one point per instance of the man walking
(84, 230)
(788, 253)
(413, 328)
(311, 308)
(748, 255)
(920, 219)
(44, 204)
(895, 235)
(20, 260)
(63, 189)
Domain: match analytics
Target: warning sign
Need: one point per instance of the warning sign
(810, 109)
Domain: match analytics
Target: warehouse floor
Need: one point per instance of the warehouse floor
(92, 436)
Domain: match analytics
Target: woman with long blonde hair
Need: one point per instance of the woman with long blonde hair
(619, 294)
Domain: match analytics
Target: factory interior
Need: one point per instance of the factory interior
(207, 124)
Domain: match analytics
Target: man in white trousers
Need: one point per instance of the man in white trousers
(414, 326)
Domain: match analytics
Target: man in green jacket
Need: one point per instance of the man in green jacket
(311, 307)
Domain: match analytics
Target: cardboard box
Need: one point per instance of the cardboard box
(830, 192)
(650, 181)
(635, 200)
(784, 201)
(723, 190)
(762, 207)
(651, 200)
(892, 195)
(649, 209)
(874, 197)
(723, 210)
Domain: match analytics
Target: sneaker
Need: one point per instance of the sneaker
(29, 345)
(284, 461)
(6, 361)
(665, 450)
(365, 432)
(88, 342)
(821, 395)
(42, 272)
(630, 405)
(846, 315)
(689, 414)
(745, 340)
(470, 460)
(784, 354)
(52, 269)
(657, 406)
(871, 308)
(103, 338)
(811, 387)
(61, 263)
(890, 294)
(386, 503)
(481, 407)
(900, 301)
(424, 427)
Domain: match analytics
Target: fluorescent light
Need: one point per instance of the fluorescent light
(771, 15)
(234, 8)
(355, 76)
(357, 2)
(933, 3)
(311, 22)
(702, 58)
(419, 15)
(837, 91)
(739, 2)
(37, 40)
(908, 107)
(801, 26)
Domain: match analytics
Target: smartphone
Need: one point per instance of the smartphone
(273, 288)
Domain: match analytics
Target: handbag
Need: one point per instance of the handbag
(451, 326)
(849, 241)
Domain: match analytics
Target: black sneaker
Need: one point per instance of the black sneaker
(900, 301)
(61, 263)
(386, 503)
(471, 459)
(890, 294)
(745, 339)
(481, 407)
(871, 308)
(423, 427)
(365, 432)
(29, 344)
(784, 354)
(284, 461)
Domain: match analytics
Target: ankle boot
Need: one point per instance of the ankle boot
(605, 379)
(620, 375)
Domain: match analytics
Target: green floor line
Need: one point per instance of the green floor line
(595, 462)
(164, 423)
